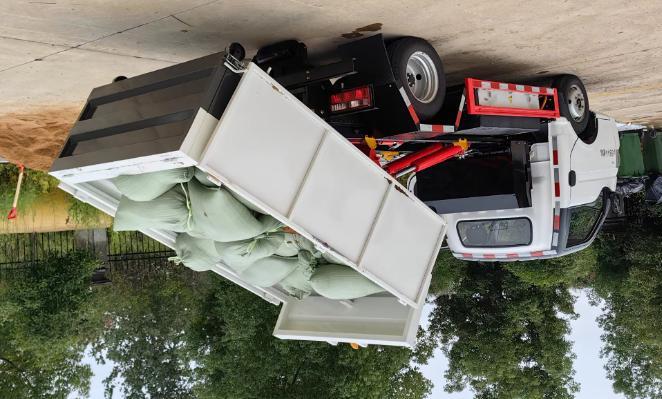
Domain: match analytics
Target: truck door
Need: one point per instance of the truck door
(593, 163)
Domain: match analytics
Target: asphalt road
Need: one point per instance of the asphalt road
(53, 52)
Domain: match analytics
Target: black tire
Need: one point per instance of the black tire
(237, 51)
(399, 53)
(119, 78)
(566, 84)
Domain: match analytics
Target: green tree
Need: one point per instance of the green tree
(629, 282)
(241, 359)
(573, 270)
(46, 321)
(503, 337)
(147, 316)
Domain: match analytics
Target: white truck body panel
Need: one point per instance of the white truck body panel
(595, 166)
(540, 212)
(272, 150)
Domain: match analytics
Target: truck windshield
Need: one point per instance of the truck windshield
(495, 233)
(582, 221)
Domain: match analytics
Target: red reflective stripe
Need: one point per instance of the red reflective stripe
(557, 189)
(437, 128)
(528, 88)
(489, 256)
(495, 85)
(557, 222)
(469, 256)
(457, 118)
(555, 157)
(413, 114)
(537, 253)
(512, 255)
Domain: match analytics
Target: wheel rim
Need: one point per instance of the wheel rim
(576, 103)
(422, 77)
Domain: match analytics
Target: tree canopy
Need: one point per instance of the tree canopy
(45, 325)
(629, 287)
(172, 333)
(504, 338)
(245, 361)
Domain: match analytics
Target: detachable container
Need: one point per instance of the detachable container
(251, 135)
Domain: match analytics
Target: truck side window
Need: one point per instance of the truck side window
(495, 233)
(582, 220)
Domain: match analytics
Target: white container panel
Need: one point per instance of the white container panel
(403, 246)
(340, 199)
(265, 146)
(375, 320)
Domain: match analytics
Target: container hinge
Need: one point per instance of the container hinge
(234, 64)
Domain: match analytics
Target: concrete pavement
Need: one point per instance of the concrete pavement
(53, 52)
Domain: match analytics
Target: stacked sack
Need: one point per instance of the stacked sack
(215, 225)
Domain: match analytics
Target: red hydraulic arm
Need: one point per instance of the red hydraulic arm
(426, 158)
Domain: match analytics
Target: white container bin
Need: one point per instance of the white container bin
(272, 150)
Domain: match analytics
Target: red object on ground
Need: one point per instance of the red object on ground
(13, 213)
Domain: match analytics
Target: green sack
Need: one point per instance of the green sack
(270, 224)
(239, 255)
(148, 186)
(269, 271)
(342, 282)
(198, 254)
(167, 212)
(218, 216)
(289, 247)
(247, 203)
(297, 283)
(332, 259)
(201, 177)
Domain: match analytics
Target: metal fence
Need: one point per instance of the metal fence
(134, 249)
(19, 250)
(115, 250)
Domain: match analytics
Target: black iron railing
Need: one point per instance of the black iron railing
(124, 249)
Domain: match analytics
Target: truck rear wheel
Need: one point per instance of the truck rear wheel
(417, 67)
(573, 101)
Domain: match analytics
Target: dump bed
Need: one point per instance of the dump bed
(252, 136)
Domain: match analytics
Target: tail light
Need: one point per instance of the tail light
(350, 100)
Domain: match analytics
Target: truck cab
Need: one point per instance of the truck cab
(536, 176)
(571, 179)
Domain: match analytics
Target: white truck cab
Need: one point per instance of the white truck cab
(570, 183)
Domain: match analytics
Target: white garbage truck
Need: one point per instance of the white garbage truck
(500, 171)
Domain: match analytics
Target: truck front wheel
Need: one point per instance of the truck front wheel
(417, 67)
(573, 101)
